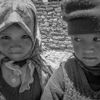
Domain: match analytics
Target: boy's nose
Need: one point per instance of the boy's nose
(88, 47)
(88, 51)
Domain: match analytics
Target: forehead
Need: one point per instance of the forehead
(13, 29)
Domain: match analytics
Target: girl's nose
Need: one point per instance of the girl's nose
(16, 48)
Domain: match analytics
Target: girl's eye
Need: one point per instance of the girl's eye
(25, 37)
(97, 39)
(77, 39)
(5, 37)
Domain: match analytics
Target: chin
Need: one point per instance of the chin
(16, 58)
(90, 64)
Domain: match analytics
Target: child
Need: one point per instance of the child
(21, 68)
(79, 77)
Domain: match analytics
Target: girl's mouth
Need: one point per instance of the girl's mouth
(15, 52)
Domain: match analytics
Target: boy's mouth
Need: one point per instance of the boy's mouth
(89, 58)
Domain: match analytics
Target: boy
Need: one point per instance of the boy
(79, 77)
(21, 68)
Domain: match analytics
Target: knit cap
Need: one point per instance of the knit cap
(82, 16)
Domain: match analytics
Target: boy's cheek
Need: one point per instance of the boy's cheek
(78, 51)
(97, 46)
(77, 47)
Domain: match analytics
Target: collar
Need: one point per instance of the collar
(25, 73)
(91, 69)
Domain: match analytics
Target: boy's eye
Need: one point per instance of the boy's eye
(97, 39)
(77, 39)
(5, 37)
(25, 37)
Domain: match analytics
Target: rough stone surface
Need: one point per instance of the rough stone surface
(53, 29)
(56, 44)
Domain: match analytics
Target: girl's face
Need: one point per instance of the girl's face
(15, 42)
(87, 48)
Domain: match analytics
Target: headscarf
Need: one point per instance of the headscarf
(24, 13)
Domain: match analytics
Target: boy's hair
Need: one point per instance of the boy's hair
(82, 16)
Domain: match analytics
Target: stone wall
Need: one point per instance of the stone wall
(53, 29)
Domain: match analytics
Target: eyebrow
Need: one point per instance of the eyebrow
(3, 33)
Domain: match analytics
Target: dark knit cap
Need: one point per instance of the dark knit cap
(82, 16)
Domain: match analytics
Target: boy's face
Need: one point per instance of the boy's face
(15, 42)
(87, 48)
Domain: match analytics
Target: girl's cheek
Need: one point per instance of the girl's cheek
(4, 44)
(27, 43)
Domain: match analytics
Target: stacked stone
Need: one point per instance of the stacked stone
(53, 29)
